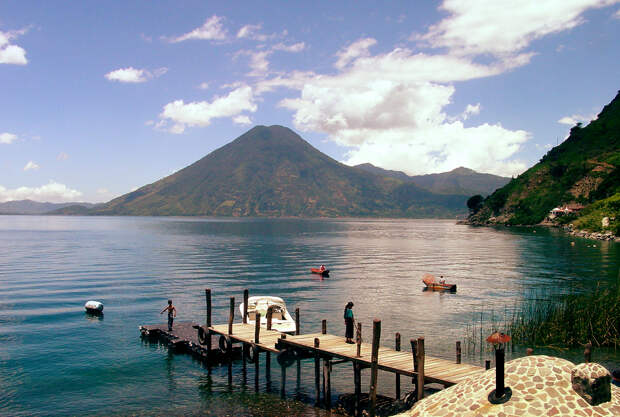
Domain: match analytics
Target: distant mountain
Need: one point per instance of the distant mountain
(584, 169)
(35, 207)
(460, 181)
(272, 171)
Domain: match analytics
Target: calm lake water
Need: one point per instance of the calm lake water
(56, 360)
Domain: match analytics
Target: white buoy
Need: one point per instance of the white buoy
(93, 306)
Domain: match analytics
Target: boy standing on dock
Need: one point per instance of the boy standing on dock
(172, 313)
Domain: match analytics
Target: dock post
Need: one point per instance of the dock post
(358, 339)
(487, 364)
(269, 317)
(231, 315)
(357, 379)
(414, 353)
(327, 383)
(298, 385)
(587, 353)
(268, 370)
(324, 327)
(246, 294)
(256, 370)
(257, 328)
(397, 348)
(297, 329)
(283, 382)
(376, 338)
(317, 372)
(529, 351)
(208, 299)
(458, 351)
(420, 355)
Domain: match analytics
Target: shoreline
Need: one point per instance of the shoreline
(600, 236)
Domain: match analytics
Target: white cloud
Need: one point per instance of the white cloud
(296, 47)
(389, 109)
(202, 112)
(52, 192)
(617, 14)
(258, 61)
(212, 29)
(242, 119)
(357, 49)
(471, 110)
(7, 138)
(10, 53)
(503, 27)
(134, 75)
(31, 166)
(62, 156)
(203, 86)
(248, 31)
(576, 118)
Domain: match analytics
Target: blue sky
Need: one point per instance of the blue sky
(100, 97)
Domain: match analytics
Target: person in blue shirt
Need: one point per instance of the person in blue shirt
(348, 321)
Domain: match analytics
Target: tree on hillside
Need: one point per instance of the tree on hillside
(474, 203)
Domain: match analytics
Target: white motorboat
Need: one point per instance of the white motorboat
(94, 307)
(281, 319)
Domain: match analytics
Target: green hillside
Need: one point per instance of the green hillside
(272, 171)
(583, 169)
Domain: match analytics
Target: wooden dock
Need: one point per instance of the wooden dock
(217, 342)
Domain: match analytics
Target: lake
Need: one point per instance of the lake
(56, 360)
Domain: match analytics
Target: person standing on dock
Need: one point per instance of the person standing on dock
(348, 321)
(172, 313)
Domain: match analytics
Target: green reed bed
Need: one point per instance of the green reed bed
(572, 320)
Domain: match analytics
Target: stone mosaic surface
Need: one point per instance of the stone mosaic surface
(541, 386)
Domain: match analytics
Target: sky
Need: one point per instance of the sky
(98, 98)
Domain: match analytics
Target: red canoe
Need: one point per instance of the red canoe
(324, 272)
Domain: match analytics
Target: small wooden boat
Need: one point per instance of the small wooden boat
(281, 319)
(93, 307)
(319, 271)
(437, 286)
(432, 284)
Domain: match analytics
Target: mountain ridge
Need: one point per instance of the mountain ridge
(272, 171)
(460, 181)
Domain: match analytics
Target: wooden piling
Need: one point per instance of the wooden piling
(397, 348)
(231, 315)
(317, 372)
(587, 353)
(257, 329)
(357, 380)
(420, 356)
(283, 381)
(297, 328)
(208, 300)
(376, 338)
(268, 369)
(414, 351)
(256, 370)
(458, 351)
(269, 317)
(246, 294)
(327, 384)
(529, 351)
(324, 327)
(358, 339)
(487, 364)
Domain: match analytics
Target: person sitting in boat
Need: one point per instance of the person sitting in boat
(322, 268)
(442, 280)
